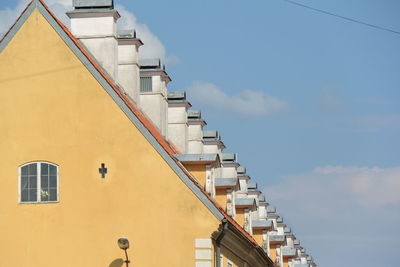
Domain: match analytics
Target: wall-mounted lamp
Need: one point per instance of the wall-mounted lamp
(123, 243)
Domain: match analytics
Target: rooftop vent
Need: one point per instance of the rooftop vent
(211, 135)
(126, 34)
(228, 156)
(271, 209)
(177, 95)
(88, 4)
(241, 170)
(251, 185)
(194, 114)
(154, 63)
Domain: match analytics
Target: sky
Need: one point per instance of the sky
(310, 102)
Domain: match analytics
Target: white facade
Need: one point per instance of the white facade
(178, 120)
(155, 103)
(128, 65)
(97, 30)
(195, 136)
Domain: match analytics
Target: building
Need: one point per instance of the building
(96, 148)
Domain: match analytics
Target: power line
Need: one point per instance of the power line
(342, 17)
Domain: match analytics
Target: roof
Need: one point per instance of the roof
(261, 224)
(289, 252)
(225, 182)
(196, 158)
(143, 124)
(276, 238)
(245, 202)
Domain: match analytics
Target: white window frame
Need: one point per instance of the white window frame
(38, 181)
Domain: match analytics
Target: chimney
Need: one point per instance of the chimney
(94, 23)
(212, 142)
(128, 63)
(229, 165)
(195, 132)
(153, 92)
(177, 119)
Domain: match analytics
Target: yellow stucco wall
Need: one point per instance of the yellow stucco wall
(272, 252)
(53, 109)
(240, 216)
(257, 234)
(285, 262)
(198, 171)
(220, 197)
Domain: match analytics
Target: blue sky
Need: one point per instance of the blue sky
(310, 102)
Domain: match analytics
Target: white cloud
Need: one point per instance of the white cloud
(152, 48)
(371, 187)
(247, 102)
(335, 205)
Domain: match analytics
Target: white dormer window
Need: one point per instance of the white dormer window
(38, 182)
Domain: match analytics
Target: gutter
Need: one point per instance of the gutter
(224, 227)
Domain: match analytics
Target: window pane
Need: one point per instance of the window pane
(24, 170)
(53, 195)
(146, 84)
(29, 182)
(53, 181)
(32, 169)
(53, 170)
(32, 182)
(32, 195)
(44, 195)
(44, 168)
(24, 182)
(44, 181)
(24, 195)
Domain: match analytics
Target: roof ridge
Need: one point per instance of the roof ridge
(15, 22)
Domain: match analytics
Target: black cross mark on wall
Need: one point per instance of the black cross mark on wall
(103, 170)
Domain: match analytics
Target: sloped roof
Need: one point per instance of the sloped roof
(137, 117)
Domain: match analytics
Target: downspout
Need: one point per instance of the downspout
(224, 227)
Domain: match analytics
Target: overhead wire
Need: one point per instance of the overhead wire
(342, 17)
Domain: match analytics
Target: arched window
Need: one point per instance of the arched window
(38, 182)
